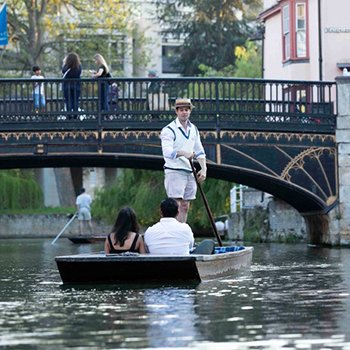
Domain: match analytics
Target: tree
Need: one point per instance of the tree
(143, 190)
(248, 64)
(19, 190)
(40, 28)
(210, 30)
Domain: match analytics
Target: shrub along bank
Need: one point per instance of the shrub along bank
(19, 190)
(143, 190)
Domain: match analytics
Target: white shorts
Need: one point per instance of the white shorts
(84, 214)
(180, 185)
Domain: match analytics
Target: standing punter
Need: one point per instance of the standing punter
(180, 143)
(83, 204)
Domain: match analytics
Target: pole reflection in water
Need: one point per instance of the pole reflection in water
(294, 297)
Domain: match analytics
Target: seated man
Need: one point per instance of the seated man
(169, 236)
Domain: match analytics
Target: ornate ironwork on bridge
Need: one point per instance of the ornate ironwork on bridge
(276, 136)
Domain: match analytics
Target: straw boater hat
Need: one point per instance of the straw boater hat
(183, 102)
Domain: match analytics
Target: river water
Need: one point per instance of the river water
(293, 297)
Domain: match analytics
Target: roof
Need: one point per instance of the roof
(271, 11)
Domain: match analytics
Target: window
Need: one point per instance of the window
(170, 54)
(300, 28)
(286, 33)
(294, 30)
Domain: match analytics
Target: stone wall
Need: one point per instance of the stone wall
(341, 214)
(285, 222)
(39, 226)
(275, 221)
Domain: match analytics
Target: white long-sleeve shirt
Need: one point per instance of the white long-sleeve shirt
(175, 138)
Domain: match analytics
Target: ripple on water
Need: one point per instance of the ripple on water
(291, 298)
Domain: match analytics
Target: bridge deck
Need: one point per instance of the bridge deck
(233, 104)
(277, 136)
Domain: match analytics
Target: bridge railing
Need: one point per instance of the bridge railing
(147, 103)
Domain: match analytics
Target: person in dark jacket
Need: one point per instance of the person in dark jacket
(71, 71)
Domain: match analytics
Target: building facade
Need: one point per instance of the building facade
(161, 51)
(310, 40)
(306, 39)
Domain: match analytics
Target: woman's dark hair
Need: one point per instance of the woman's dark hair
(72, 60)
(126, 222)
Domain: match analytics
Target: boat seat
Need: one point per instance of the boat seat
(206, 247)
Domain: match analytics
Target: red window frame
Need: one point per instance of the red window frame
(293, 30)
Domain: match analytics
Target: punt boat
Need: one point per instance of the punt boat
(101, 268)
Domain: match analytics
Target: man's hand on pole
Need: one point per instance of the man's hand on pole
(188, 155)
(202, 174)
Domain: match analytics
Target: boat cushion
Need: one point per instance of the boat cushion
(219, 250)
(207, 246)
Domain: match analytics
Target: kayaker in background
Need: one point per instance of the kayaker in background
(180, 143)
(83, 203)
(169, 236)
(124, 236)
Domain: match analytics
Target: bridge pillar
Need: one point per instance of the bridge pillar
(340, 215)
(318, 229)
(95, 178)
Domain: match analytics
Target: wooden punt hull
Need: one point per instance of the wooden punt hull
(115, 268)
(87, 239)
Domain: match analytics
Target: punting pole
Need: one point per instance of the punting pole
(64, 228)
(210, 215)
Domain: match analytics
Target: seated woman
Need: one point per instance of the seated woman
(124, 236)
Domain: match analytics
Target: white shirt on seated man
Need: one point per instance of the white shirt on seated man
(169, 236)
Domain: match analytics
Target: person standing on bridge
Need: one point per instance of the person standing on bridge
(181, 142)
(83, 204)
(38, 93)
(71, 89)
(102, 72)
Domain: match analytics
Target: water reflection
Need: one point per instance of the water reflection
(291, 295)
(171, 317)
(294, 297)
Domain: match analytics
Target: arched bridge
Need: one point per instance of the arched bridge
(275, 136)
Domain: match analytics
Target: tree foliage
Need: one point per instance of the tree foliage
(39, 28)
(248, 64)
(140, 189)
(210, 30)
(144, 190)
(19, 190)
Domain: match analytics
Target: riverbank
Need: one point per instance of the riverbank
(43, 226)
(49, 225)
